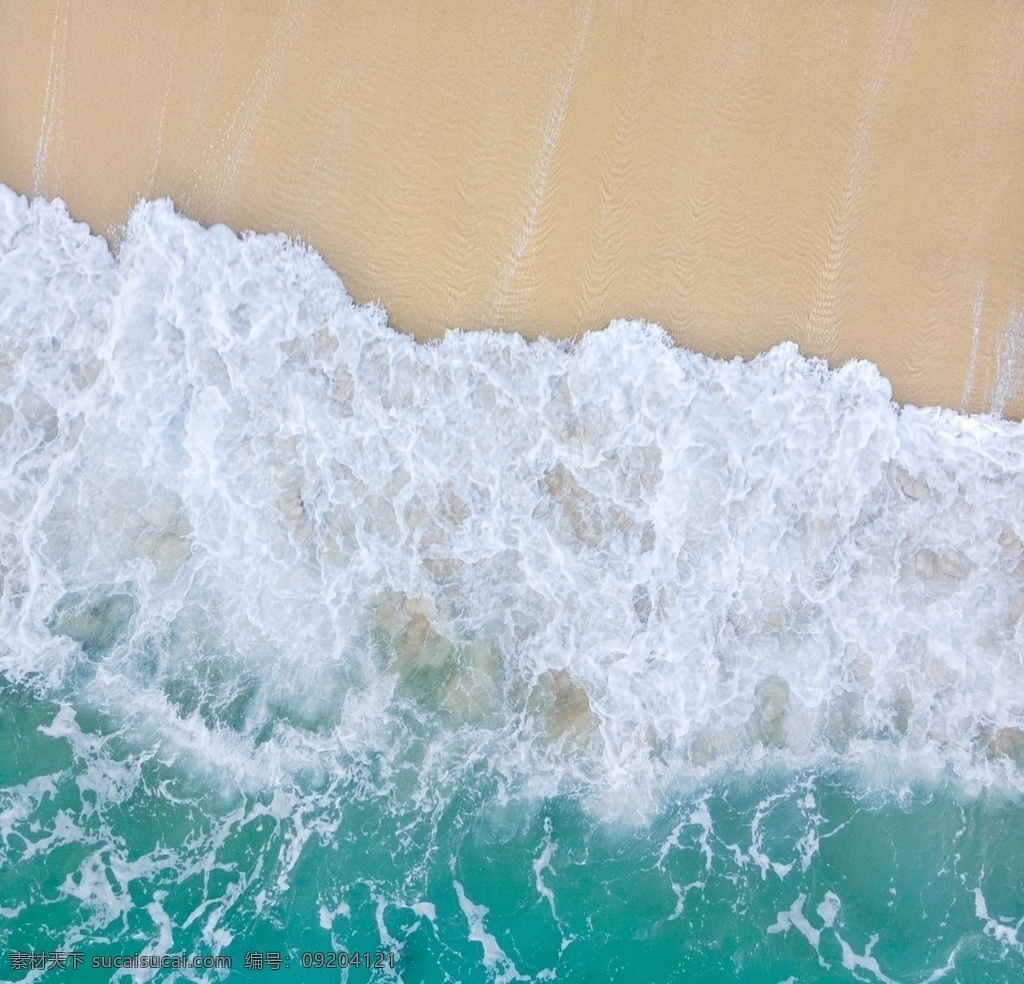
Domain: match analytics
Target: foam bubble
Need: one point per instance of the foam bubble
(246, 515)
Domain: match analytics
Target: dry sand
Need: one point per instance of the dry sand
(848, 175)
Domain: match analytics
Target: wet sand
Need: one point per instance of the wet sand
(849, 176)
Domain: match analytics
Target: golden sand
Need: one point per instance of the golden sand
(848, 175)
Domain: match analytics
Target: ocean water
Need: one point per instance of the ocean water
(483, 660)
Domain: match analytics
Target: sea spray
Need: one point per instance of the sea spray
(600, 661)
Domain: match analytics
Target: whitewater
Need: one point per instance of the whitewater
(495, 660)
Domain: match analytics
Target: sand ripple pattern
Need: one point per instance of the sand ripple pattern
(848, 176)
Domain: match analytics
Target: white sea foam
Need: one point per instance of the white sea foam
(494, 958)
(241, 511)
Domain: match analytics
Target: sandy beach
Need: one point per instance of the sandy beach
(848, 176)
(482, 661)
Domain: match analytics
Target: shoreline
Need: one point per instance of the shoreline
(849, 181)
(426, 337)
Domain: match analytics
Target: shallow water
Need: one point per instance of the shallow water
(799, 874)
(512, 661)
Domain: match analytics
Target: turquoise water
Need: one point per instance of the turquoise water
(769, 877)
(483, 661)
